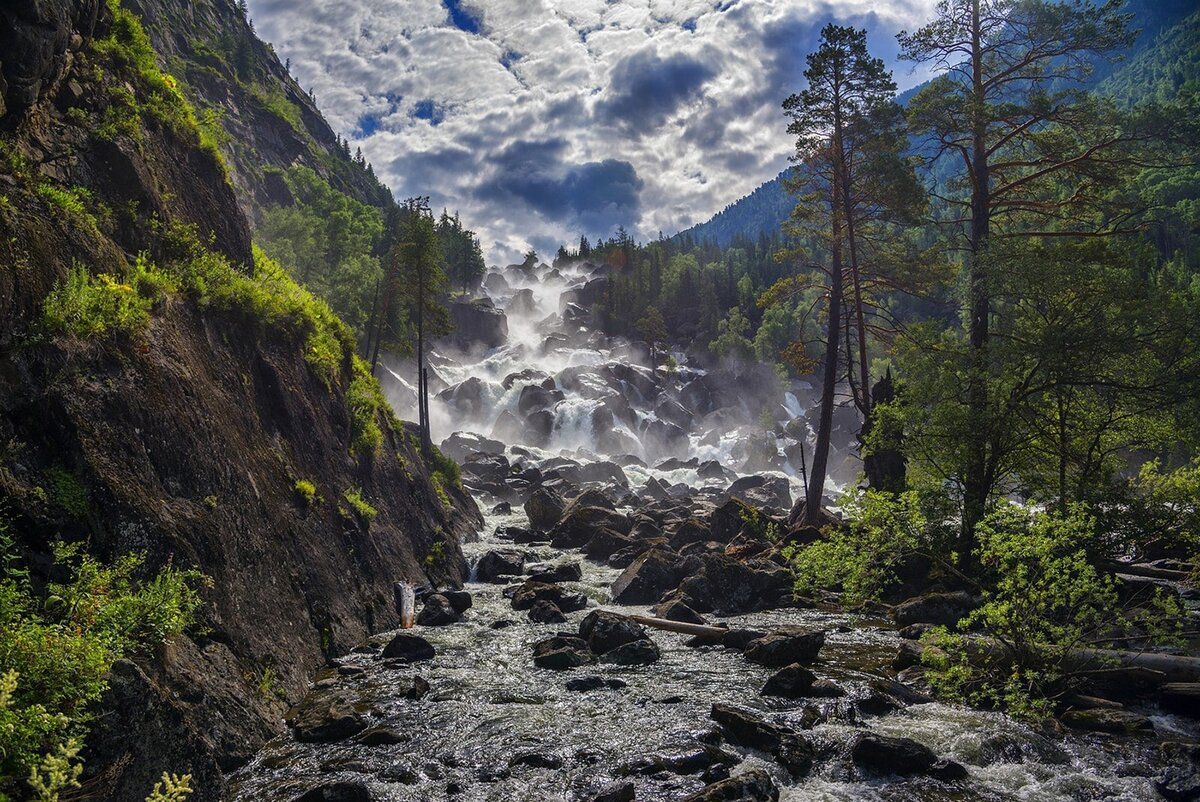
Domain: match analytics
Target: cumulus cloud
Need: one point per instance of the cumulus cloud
(544, 119)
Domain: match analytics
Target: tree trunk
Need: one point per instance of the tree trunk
(975, 484)
(816, 477)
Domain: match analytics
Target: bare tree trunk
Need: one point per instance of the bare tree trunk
(816, 477)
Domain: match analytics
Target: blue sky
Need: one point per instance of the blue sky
(544, 119)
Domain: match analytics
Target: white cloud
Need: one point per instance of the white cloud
(659, 111)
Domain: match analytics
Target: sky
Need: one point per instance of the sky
(541, 120)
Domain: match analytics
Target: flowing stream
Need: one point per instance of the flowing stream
(492, 726)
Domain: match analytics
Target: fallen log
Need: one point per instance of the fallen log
(1152, 668)
(699, 630)
(1147, 571)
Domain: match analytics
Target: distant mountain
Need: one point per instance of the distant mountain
(1165, 56)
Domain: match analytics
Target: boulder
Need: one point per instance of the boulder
(499, 565)
(729, 586)
(607, 542)
(546, 612)
(461, 445)
(791, 682)
(544, 508)
(773, 492)
(785, 646)
(743, 728)
(1181, 780)
(727, 520)
(534, 397)
(460, 600)
(939, 609)
(650, 575)
(324, 717)
(882, 755)
(580, 524)
(466, 397)
(409, 647)
(605, 631)
(563, 572)
(754, 785)
(531, 592)
(562, 652)
(675, 610)
(476, 324)
(437, 612)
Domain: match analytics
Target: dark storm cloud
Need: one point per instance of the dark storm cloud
(596, 195)
(646, 89)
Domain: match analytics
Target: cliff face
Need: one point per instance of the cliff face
(187, 438)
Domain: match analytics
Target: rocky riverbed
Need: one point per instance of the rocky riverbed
(473, 716)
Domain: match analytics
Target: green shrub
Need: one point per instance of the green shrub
(1045, 599)
(365, 400)
(306, 491)
(90, 307)
(70, 201)
(66, 492)
(447, 467)
(361, 507)
(439, 487)
(57, 648)
(883, 533)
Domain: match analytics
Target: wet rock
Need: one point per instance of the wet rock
(826, 689)
(1181, 780)
(786, 646)
(743, 728)
(537, 760)
(676, 610)
(383, 736)
(499, 565)
(535, 397)
(615, 792)
(337, 792)
(538, 426)
(714, 470)
(939, 609)
(409, 647)
(437, 612)
(603, 472)
(754, 785)
(689, 531)
(791, 682)
(1102, 719)
(580, 524)
(503, 508)
(562, 652)
(325, 717)
(907, 655)
(465, 397)
(546, 612)
(604, 631)
(502, 623)
(650, 575)
(628, 556)
(544, 508)
(476, 323)
(594, 683)
(563, 572)
(638, 653)
(530, 593)
(882, 755)
(772, 492)
(461, 445)
(914, 631)
(460, 600)
(607, 542)
(878, 703)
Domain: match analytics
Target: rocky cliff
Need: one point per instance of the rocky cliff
(189, 437)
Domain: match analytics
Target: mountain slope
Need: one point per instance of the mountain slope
(163, 390)
(1163, 51)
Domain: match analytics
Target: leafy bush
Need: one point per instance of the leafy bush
(360, 505)
(365, 400)
(90, 307)
(1046, 599)
(884, 532)
(58, 647)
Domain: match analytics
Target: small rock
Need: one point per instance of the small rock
(605, 631)
(637, 653)
(676, 610)
(790, 682)
(562, 652)
(530, 593)
(826, 689)
(324, 717)
(409, 647)
(498, 565)
(460, 600)
(437, 612)
(883, 755)
(382, 736)
(545, 611)
(563, 572)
